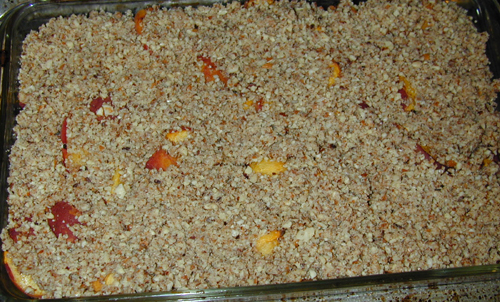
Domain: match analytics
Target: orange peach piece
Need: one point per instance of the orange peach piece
(139, 17)
(116, 180)
(408, 91)
(268, 65)
(426, 25)
(97, 285)
(408, 87)
(248, 104)
(267, 242)
(259, 105)
(98, 103)
(161, 160)
(65, 215)
(22, 281)
(64, 131)
(210, 70)
(336, 73)
(487, 162)
(110, 279)
(177, 136)
(268, 167)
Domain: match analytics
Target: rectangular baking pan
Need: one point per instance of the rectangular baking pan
(470, 283)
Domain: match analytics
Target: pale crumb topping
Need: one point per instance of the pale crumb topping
(257, 143)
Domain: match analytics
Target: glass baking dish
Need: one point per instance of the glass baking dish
(471, 282)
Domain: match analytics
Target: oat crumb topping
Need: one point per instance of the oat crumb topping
(263, 143)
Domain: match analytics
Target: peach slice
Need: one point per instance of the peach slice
(486, 162)
(97, 285)
(64, 131)
(116, 180)
(109, 279)
(364, 105)
(15, 234)
(178, 136)
(139, 17)
(74, 160)
(259, 105)
(407, 92)
(248, 104)
(103, 108)
(425, 150)
(75, 156)
(64, 140)
(268, 65)
(161, 160)
(268, 167)
(210, 70)
(22, 281)
(267, 242)
(256, 105)
(65, 215)
(336, 73)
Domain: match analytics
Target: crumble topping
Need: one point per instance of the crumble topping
(262, 143)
